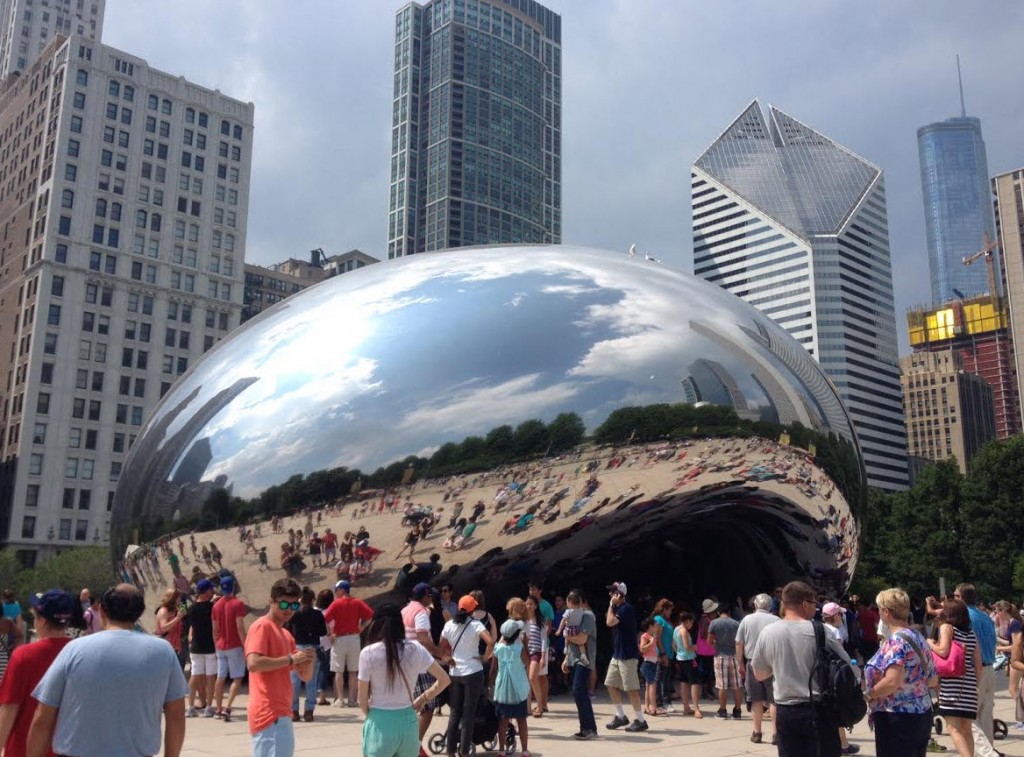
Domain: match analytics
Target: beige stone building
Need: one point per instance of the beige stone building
(949, 412)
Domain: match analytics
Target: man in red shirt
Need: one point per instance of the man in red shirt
(345, 618)
(271, 655)
(229, 634)
(55, 612)
(330, 546)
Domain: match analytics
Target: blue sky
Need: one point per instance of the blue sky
(647, 86)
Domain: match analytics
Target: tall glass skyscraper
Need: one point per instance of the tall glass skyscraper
(797, 226)
(476, 141)
(957, 205)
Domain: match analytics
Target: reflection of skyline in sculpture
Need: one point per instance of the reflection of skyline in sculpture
(445, 347)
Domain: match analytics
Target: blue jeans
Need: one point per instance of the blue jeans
(580, 677)
(276, 740)
(310, 685)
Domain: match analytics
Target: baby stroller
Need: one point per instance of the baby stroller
(485, 731)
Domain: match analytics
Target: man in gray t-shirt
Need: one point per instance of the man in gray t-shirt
(722, 635)
(787, 651)
(117, 672)
(759, 693)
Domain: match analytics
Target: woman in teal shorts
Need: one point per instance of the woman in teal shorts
(388, 667)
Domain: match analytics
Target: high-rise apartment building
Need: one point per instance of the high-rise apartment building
(950, 413)
(1009, 210)
(123, 200)
(978, 330)
(797, 226)
(476, 139)
(27, 26)
(957, 203)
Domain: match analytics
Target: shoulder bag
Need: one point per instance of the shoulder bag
(953, 665)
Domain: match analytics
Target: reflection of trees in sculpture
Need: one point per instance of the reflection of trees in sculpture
(530, 440)
(649, 423)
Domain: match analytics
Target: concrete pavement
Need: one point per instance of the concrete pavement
(338, 731)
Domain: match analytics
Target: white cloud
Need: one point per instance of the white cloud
(647, 85)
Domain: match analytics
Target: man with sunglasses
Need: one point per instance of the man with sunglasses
(271, 655)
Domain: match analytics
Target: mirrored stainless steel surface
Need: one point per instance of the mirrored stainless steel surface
(616, 418)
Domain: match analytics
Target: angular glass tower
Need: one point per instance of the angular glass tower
(797, 226)
(476, 139)
(957, 205)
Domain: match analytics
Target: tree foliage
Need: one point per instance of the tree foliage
(961, 528)
(71, 570)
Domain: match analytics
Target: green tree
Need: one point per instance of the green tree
(993, 515)
(920, 539)
(530, 438)
(566, 431)
(499, 442)
(11, 570)
(72, 570)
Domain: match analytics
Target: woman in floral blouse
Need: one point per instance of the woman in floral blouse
(897, 681)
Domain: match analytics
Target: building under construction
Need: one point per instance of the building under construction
(978, 329)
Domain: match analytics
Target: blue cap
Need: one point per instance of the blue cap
(227, 585)
(343, 584)
(420, 590)
(55, 605)
(204, 585)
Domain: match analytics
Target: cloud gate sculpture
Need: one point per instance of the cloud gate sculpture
(603, 417)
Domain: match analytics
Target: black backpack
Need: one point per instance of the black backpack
(841, 694)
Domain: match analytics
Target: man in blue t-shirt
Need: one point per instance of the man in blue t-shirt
(133, 676)
(622, 669)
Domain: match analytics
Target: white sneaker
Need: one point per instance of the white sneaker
(669, 708)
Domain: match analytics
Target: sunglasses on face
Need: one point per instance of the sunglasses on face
(284, 604)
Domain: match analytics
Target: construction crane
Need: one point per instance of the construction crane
(988, 252)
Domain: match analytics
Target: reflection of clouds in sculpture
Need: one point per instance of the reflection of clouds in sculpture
(274, 414)
(477, 407)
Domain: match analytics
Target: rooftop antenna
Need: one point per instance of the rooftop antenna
(959, 78)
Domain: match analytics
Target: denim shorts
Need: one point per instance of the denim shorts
(649, 670)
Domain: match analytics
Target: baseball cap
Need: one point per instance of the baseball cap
(420, 590)
(227, 584)
(510, 627)
(342, 585)
(831, 608)
(55, 605)
(467, 603)
(617, 587)
(204, 585)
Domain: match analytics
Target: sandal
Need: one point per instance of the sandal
(698, 714)
(687, 713)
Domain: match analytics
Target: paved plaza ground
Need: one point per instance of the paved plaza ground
(337, 732)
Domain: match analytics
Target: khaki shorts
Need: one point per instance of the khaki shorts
(345, 654)
(622, 675)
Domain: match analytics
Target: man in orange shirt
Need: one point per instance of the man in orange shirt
(271, 655)
(345, 618)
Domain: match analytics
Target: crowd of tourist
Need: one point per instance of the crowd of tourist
(400, 665)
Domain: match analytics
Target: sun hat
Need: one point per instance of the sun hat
(709, 605)
(510, 627)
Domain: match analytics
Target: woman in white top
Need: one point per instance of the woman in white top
(460, 643)
(388, 667)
